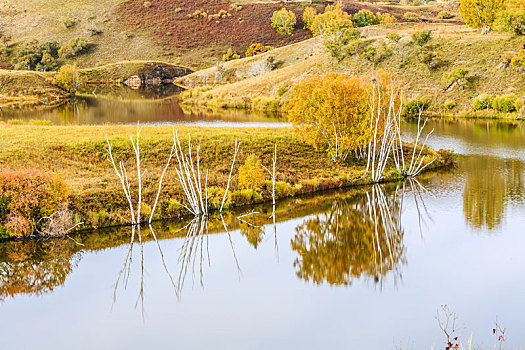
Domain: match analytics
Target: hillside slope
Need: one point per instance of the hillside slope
(185, 32)
(485, 56)
(165, 30)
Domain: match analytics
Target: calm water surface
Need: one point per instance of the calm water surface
(123, 105)
(358, 269)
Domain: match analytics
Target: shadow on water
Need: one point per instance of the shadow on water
(343, 236)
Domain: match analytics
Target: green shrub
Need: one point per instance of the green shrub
(230, 55)
(376, 54)
(458, 76)
(74, 47)
(517, 62)
(413, 107)
(282, 90)
(93, 30)
(283, 21)
(246, 196)
(215, 196)
(411, 16)
(483, 101)
(282, 189)
(420, 38)
(519, 105)
(393, 36)
(365, 18)
(449, 104)
(68, 22)
(505, 103)
(511, 20)
(444, 15)
(40, 122)
(34, 56)
(356, 47)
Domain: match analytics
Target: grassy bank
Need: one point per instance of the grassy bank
(121, 71)
(20, 89)
(28, 89)
(78, 156)
(486, 57)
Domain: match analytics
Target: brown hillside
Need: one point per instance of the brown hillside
(171, 26)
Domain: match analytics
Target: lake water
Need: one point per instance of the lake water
(123, 105)
(358, 269)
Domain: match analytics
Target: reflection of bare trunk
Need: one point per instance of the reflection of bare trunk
(192, 243)
(125, 272)
(231, 245)
(385, 213)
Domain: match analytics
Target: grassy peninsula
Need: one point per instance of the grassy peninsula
(78, 155)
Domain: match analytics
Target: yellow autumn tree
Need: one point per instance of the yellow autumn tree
(332, 12)
(480, 14)
(331, 112)
(283, 21)
(308, 17)
(251, 173)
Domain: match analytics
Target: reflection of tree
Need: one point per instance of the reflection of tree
(490, 184)
(35, 267)
(358, 237)
(252, 227)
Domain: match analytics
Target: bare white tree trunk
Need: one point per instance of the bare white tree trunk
(272, 173)
(236, 150)
(172, 153)
(382, 141)
(190, 179)
(122, 175)
(136, 149)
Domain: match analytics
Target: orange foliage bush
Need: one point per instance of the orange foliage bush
(331, 112)
(26, 196)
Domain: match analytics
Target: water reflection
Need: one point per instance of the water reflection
(354, 233)
(490, 184)
(127, 106)
(356, 238)
(501, 138)
(36, 267)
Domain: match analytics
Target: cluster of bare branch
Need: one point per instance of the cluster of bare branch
(386, 130)
(123, 175)
(189, 176)
(382, 141)
(60, 223)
